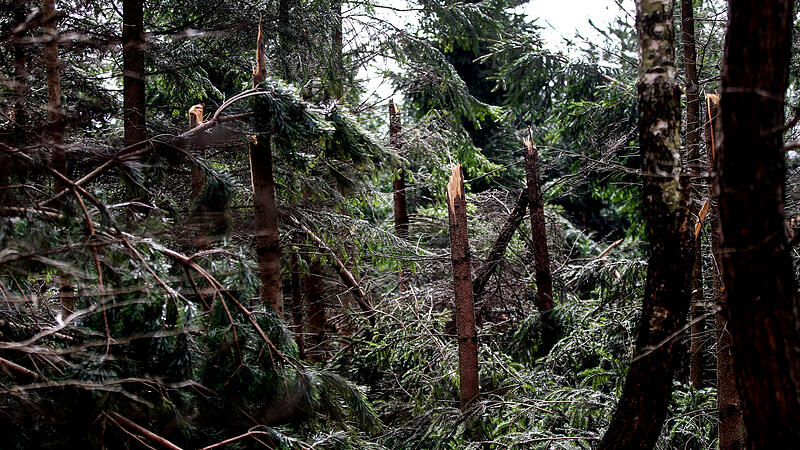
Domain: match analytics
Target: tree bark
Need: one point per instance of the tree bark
(133, 74)
(498, 249)
(265, 216)
(697, 348)
(462, 286)
(398, 185)
(55, 127)
(541, 257)
(756, 260)
(729, 411)
(642, 408)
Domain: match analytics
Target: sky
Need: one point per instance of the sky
(563, 17)
(558, 18)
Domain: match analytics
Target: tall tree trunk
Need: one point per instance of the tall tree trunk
(729, 411)
(693, 129)
(55, 127)
(133, 75)
(317, 315)
(265, 216)
(462, 286)
(756, 261)
(265, 207)
(399, 184)
(642, 408)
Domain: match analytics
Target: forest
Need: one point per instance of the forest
(408, 224)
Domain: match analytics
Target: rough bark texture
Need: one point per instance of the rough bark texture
(642, 408)
(133, 75)
(498, 249)
(462, 286)
(297, 303)
(541, 257)
(317, 315)
(756, 261)
(399, 184)
(693, 129)
(729, 411)
(265, 216)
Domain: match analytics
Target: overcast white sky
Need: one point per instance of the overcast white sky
(559, 18)
(562, 17)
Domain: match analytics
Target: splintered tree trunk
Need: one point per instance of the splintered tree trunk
(198, 179)
(399, 184)
(641, 411)
(55, 126)
(541, 257)
(697, 349)
(317, 315)
(265, 216)
(756, 261)
(729, 409)
(133, 75)
(462, 286)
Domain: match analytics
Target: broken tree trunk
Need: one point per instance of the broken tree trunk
(729, 411)
(399, 184)
(763, 307)
(642, 408)
(697, 348)
(462, 286)
(265, 216)
(541, 257)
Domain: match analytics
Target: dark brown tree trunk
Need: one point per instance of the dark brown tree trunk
(317, 315)
(541, 257)
(729, 409)
(297, 302)
(265, 216)
(399, 184)
(462, 286)
(697, 349)
(498, 249)
(55, 126)
(642, 408)
(133, 75)
(756, 261)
